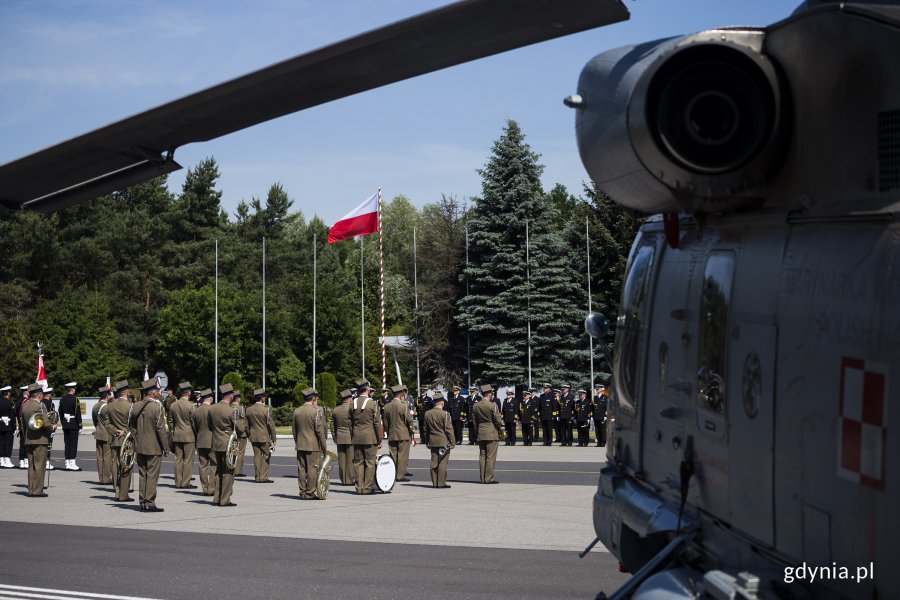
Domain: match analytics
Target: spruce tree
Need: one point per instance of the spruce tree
(502, 295)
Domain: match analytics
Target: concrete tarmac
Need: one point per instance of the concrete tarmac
(472, 540)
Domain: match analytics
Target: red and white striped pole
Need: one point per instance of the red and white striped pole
(381, 262)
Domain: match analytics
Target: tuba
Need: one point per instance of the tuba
(323, 481)
(233, 446)
(42, 419)
(127, 454)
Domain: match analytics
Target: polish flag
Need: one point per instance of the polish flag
(361, 220)
(41, 373)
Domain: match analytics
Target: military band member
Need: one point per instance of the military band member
(70, 419)
(148, 418)
(184, 440)
(548, 411)
(527, 417)
(105, 461)
(490, 431)
(471, 399)
(424, 404)
(308, 429)
(203, 435)
(566, 415)
(115, 419)
(598, 407)
(440, 441)
(340, 433)
(262, 435)
(7, 427)
(398, 426)
(365, 433)
(583, 418)
(456, 406)
(37, 441)
(509, 409)
(23, 396)
(222, 419)
(243, 431)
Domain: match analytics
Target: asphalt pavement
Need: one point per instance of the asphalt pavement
(518, 539)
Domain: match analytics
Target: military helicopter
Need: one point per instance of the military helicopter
(748, 452)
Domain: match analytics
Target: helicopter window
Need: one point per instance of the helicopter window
(630, 328)
(715, 297)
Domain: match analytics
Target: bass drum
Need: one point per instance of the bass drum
(385, 473)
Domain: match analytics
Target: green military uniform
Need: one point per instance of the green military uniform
(490, 431)
(340, 433)
(222, 422)
(441, 440)
(262, 435)
(37, 441)
(115, 419)
(151, 443)
(183, 437)
(203, 435)
(365, 434)
(243, 432)
(308, 428)
(398, 426)
(105, 460)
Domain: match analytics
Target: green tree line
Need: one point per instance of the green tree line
(128, 279)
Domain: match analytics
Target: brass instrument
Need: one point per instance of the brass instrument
(234, 446)
(323, 481)
(41, 419)
(445, 449)
(127, 454)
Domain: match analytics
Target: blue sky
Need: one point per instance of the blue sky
(69, 66)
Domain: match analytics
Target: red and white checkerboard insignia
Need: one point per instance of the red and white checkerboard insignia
(862, 451)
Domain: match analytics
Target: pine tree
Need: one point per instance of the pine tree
(502, 294)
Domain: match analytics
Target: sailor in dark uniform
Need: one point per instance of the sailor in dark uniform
(509, 410)
(48, 406)
(527, 417)
(423, 405)
(23, 396)
(70, 420)
(471, 399)
(456, 407)
(7, 427)
(548, 411)
(583, 418)
(598, 408)
(566, 415)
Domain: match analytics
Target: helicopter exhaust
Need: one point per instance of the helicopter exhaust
(696, 123)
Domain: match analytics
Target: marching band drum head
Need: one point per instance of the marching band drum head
(385, 473)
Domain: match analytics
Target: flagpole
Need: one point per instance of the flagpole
(362, 308)
(268, 399)
(381, 288)
(528, 297)
(216, 360)
(468, 339)
(416, 310)
(314, 314)
(587, 240)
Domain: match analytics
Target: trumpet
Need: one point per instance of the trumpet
(323, 481)
(444, 450)
(40, 420)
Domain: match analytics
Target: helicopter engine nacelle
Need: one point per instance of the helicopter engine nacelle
(694, 124)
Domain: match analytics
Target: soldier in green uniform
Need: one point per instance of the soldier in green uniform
(151, 443)
(365, 433)
(243, 432)
(37, 440)
(105, 462)
(490, 431)
(203, 435)
(340, 433)
(183, 437)
(398, 426)
(115, 419)
(308, 428)
(262, 435)
(440, 441)
(222, 420)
